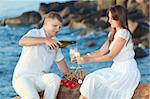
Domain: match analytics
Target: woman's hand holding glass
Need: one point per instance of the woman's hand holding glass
(81, 60)
(73, 54)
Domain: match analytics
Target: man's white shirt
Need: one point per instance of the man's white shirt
(35, 60)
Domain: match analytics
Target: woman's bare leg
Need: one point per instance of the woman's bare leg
(82, 97)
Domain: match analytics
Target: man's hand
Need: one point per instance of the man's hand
(52, 43)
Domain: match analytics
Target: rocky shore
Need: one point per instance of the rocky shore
(141, 92)
(91, 16)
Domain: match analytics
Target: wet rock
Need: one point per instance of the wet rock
(91, 44)
(77, 25)
(142, 91)
(2, 22)
(132, 25)
(65, 12)
(143, 40)
(81, 25)
(139, 52)
(143, 6)
(72, 18)
(85, 7)
(45, 8)
(26, 18)
(141, 30)
(104, 4)
(135, 15)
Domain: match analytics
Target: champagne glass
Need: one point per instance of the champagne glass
(74, 53)
(77, 53)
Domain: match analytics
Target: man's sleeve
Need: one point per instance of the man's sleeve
(32, 33)
(59, 55)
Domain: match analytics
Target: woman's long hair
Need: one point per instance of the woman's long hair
(119, 13)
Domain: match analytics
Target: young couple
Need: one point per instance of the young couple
(118, 82)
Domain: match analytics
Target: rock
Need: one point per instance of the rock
(65, 12)
(122, 2)
(146, 43)
(135, 15)
(143, 5)
(72, 17)
(141, 30)
(132, 25)
(77, 25)
(55, 6)
(85, 7)
(139, 52)
(91, 44)
(142, 91)
(144, 40)
(26, 18)
(104, 4)
(45, 8)
(2, 22)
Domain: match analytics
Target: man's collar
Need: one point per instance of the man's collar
(42, 32)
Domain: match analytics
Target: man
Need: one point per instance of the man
(40, 50)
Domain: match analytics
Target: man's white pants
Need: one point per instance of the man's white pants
(28, 86)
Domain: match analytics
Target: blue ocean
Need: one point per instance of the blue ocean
(10, 52)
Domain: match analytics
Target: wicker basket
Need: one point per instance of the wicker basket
(66, 92)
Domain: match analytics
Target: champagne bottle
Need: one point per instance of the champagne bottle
(66, 43)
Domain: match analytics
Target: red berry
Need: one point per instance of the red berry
(62, 82)
(73, 85)
(68, 83)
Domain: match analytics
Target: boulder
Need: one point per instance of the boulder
(104, 4)
(91, 44)
(26, 18)
(2, 22)
(139, 52)
(55, 6)
(65, 12)
(141, 30)
(142, 91)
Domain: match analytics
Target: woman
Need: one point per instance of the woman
(119, 81)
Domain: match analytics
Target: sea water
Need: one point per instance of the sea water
(10, 52)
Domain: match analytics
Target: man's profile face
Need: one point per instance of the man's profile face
(52, 25)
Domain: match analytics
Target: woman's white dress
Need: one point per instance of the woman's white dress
(117, 82)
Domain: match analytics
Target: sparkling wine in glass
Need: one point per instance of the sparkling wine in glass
(72, 53)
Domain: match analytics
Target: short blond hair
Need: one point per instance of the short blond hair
(53, 15)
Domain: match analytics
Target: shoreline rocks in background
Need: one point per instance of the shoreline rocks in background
(27, 18)
(91, 16)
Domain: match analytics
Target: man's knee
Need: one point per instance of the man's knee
(31, 96)
(52, 78)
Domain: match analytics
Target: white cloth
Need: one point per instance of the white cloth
(36, 60)
(29, 86)
(117, 82)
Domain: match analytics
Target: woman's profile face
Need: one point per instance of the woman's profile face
(113, 23)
